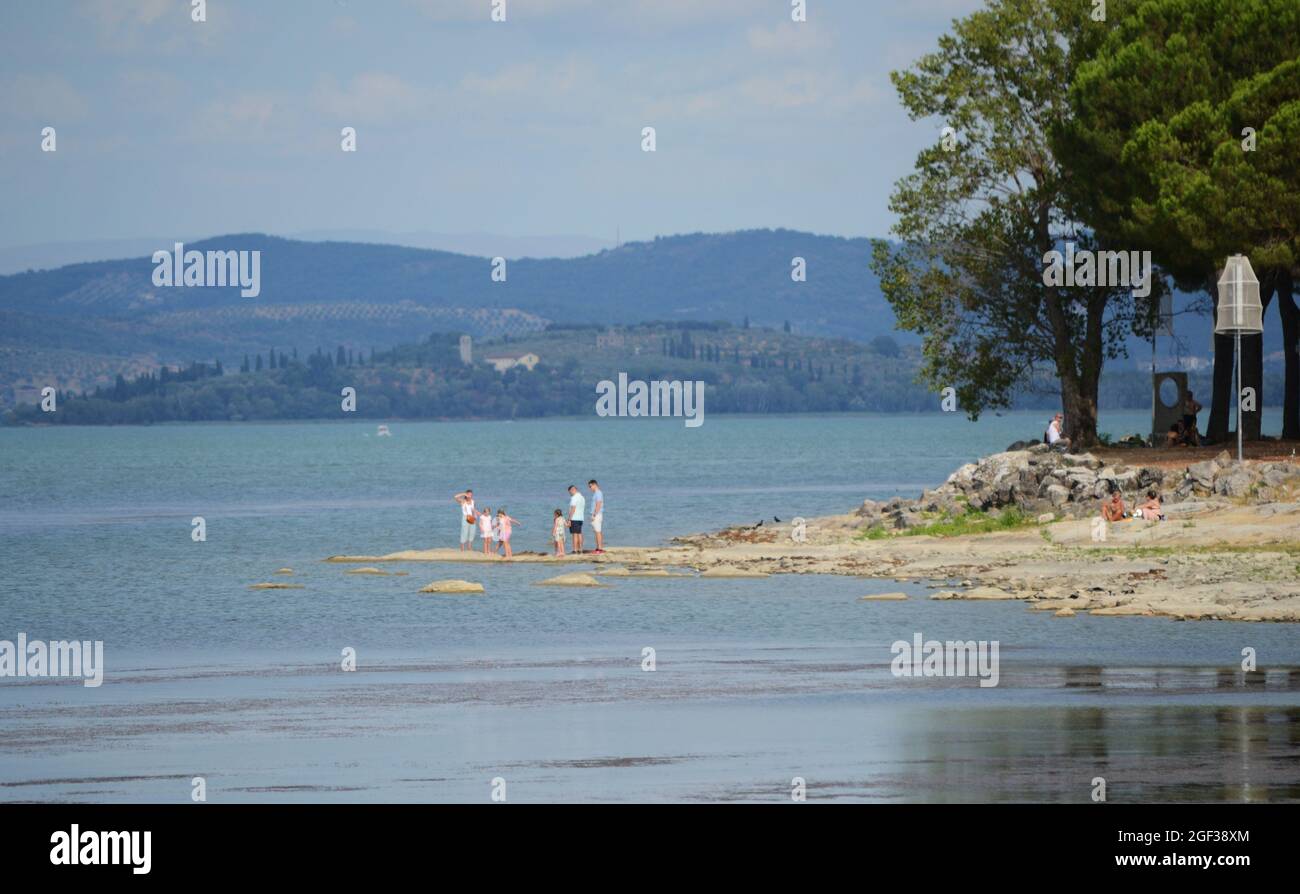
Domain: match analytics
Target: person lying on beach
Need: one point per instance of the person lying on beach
(504, 524)
(558, 531)
(1112, 510)
(485, 529)
(1150, 510)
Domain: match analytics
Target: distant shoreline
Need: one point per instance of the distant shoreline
(1269, 412)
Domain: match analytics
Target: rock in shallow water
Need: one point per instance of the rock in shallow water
(571, 580)
(453, 586)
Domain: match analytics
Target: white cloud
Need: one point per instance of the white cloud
(372, 97)
(49, 98)
(788, 38)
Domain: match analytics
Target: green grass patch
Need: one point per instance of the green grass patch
(969, 522)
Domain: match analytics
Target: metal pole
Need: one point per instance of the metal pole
(1238, 340)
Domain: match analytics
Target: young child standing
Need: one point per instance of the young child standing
(557, 533)
(504, 525)
(485, 529)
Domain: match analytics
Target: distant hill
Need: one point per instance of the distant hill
(76, 326)
(71, 322)
(694, 277)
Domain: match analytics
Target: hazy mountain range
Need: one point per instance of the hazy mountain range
(48, 255)
(79, 325)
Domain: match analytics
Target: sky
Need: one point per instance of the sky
(529, 127)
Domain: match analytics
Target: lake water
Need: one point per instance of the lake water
(756, 681)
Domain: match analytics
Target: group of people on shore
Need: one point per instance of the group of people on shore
(1114, 510)
(1182, 433)
(497, 530)
(1112, 507)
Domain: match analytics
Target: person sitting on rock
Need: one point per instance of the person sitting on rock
(1112, 510)
(1179, 436)
(1150, 509)
(1053, 437)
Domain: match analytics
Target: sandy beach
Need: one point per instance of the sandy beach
(1214, 557)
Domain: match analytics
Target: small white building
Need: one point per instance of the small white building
(503, 362)
(466, 350)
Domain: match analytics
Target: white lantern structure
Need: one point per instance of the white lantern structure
(1239, 313)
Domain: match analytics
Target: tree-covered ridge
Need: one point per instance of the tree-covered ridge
(746, 369)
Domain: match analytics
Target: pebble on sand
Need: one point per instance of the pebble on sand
(453, 586)
(883, 597)
(571, 580)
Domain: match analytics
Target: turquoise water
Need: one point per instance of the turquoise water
(757, 681)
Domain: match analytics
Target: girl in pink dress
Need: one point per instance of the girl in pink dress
(506, 522)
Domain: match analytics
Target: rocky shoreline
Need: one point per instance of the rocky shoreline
(1229, 549)
(1040, 481)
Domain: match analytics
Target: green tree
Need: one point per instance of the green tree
(1159, 140)
(984, 207)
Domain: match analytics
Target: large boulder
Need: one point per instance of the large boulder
(869, 509)
(1202, 474)
(1234, 481)
(1058, 494)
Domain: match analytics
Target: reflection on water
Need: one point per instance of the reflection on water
(706, 727)
(1144, 753)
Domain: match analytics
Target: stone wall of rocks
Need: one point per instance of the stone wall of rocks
(1038, 480)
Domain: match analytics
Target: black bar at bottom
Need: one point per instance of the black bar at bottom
(334, 843)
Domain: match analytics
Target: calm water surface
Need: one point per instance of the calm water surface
(756, 682)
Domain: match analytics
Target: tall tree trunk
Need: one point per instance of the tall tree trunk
(1252, 377)
(1221, 402)
(1291, 351)
(1080, 411)
(1252, 364)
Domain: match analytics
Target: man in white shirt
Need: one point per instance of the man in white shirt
(577, 506)
(1054, 438)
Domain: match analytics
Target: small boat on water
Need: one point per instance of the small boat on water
(383, 432)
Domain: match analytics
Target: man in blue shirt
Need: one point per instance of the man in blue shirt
(597, 514)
